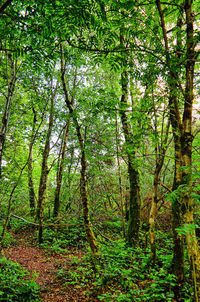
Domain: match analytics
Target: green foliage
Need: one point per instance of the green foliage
(125, 274)
(17, 225)
(8, 240)
(58, 239)
(102, 40)
(187, 228)
(15, 285)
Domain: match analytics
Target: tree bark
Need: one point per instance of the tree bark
(60, 170)
(154, 206)
(83, 180)
(182, 207)
(44, 172)
(134, 207)
(5, 118)
(30, 166)
(120, 181)
(186, 146)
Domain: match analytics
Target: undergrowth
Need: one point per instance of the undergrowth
(15, 285)
(126, 274)
(8, 240)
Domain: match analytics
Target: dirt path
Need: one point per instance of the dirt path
(34, 260)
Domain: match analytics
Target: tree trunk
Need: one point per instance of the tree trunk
(120, 182)
(30, 182)
(154, 206)
(134, 207)
(186, 146)
(30, 168)
(182, 207)
(83, 181)
(5, 118)
(44, 173)
(5, 224)
(154, 209)
(60, 171)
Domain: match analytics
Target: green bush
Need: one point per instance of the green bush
(14, 284)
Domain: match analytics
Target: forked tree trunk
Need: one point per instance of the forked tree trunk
(83, 181)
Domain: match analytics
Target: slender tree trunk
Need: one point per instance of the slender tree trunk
(134, 207)
(5, 118)
(30, 182)
(154, 206)
(10, 202)
(60, 171)
(178, 250)
(9, 205)
(83, 181)
(154, 209)
(120, 182)
(30, 167)
(44, 172)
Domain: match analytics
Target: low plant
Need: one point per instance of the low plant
(125, 274)
(7, 240)
(64, 237)
(15, 284)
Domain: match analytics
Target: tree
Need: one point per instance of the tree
(45, 170)
(182, 206)
(30, 166)
(83, 181)
(10, 73)
(60, 169)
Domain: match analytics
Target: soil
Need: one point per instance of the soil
(44, 268)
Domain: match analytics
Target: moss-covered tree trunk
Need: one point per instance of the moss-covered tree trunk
(182, 205)
(83, 181)
(154, 205)
(186, 147)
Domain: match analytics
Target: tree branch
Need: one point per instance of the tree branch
(4, 5)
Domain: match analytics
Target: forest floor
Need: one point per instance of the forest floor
(43, 268)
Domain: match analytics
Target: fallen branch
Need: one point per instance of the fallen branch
(45, 224)
(30, 222)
